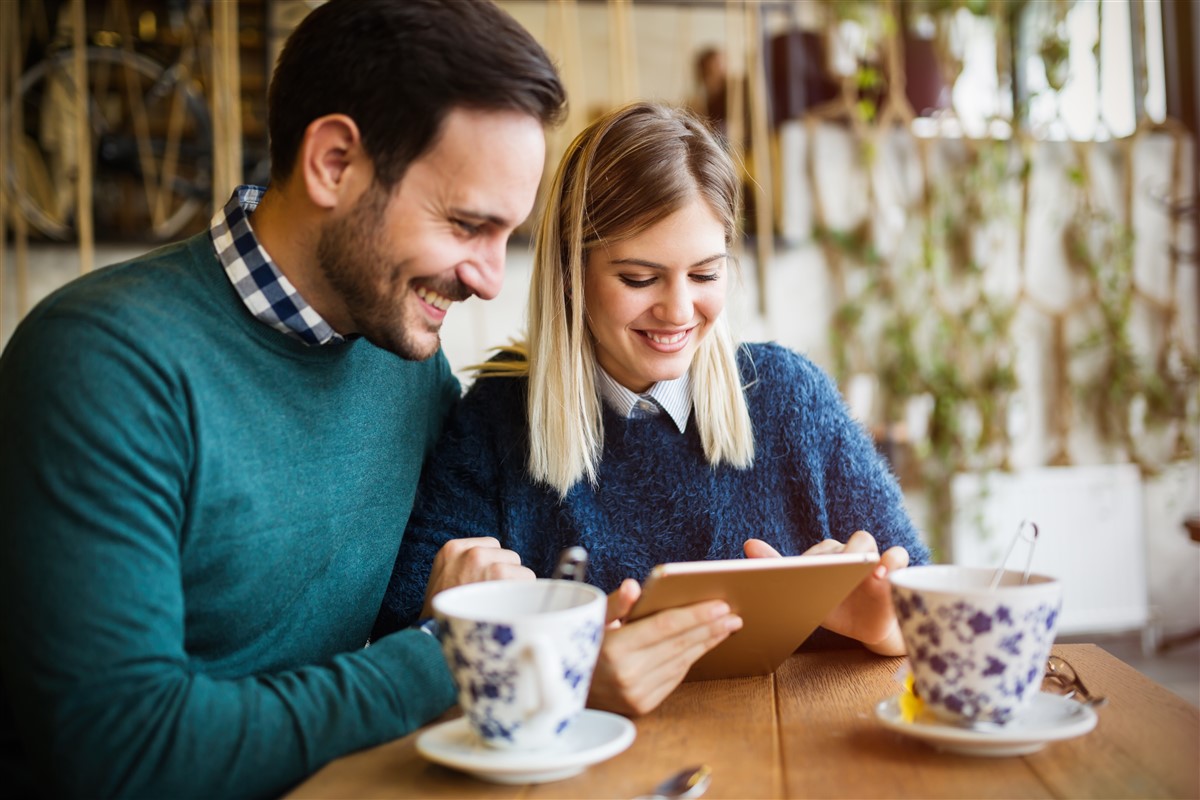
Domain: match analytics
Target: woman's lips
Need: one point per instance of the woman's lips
(667, 341)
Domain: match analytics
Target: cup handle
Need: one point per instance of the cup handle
(552, 689)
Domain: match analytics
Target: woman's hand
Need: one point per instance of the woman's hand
(642, 662)
(471, 560)
(866, 614)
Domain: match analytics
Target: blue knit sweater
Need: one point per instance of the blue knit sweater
(200, 517)
(815, 475)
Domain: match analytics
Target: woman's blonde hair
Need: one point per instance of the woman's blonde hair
(625, 172)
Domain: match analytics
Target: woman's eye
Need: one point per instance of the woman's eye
(705, 277)
(636, 283)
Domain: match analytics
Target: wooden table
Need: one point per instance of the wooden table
(810, 731)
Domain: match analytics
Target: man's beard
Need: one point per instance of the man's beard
(369, 283)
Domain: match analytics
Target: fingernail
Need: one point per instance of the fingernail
(733, 624)
(880, 571)
(720, 610)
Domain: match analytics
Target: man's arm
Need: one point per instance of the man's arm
(95, 473)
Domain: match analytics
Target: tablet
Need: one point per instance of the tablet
(781, 602)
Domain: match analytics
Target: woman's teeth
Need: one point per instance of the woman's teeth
(669, 339)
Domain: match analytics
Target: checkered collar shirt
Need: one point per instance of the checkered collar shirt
(266, 291)
(674, 397)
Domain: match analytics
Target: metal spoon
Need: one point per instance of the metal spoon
(572, 566)
(689, 782)
(1028, 562)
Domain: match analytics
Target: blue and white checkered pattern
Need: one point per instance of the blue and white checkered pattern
(673, 397)
(266, 291)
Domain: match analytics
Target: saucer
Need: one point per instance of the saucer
(592, 738)
(1048, 718)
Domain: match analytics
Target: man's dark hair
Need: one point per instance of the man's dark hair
(397, 67)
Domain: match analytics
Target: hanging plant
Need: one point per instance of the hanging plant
(1054, 47)
(921, 318)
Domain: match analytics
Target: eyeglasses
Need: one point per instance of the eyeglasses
(1061, 679)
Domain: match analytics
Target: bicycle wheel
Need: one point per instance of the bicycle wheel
(151, 147)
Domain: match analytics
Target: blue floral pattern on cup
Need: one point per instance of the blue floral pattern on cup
(978, 659)
(483, 658)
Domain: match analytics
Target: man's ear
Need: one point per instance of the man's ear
(332, 161)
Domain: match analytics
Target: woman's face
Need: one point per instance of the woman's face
(650, 299)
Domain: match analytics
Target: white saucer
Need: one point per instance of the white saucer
(592, 738)
(1048, 718)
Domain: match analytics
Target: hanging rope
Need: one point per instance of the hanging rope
(83, 140)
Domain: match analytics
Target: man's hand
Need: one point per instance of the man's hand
(642, 662)
(472, 560)
(866, 614)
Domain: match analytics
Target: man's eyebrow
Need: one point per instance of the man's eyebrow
(641, 262)
(480, 216)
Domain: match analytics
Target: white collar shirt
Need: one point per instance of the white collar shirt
(673, 397)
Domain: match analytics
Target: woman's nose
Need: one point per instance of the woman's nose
(675, 305)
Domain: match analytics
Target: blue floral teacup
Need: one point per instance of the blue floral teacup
(522, 655)
(977, 654)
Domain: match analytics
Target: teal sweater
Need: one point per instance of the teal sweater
(200, 518)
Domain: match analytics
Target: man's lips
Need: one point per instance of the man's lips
(438, 300)
(434, 298)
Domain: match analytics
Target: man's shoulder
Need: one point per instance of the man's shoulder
(130, 290)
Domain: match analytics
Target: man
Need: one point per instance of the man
(209, 453)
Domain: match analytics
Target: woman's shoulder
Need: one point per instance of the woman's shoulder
(491, 388)
(772, 365)
(492, 410)
(787, 393)
(497, 389)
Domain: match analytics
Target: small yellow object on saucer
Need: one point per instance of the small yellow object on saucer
(911, 706)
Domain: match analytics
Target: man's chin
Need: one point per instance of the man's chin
(404, 345)
(408, 352)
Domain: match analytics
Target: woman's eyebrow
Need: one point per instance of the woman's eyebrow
(641, 262)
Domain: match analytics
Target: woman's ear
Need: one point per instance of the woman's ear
(332, 161)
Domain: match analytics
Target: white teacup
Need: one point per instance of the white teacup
(522, 655)
(977, 654)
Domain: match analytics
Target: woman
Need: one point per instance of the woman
(629, 423)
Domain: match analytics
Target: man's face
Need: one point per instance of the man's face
(398, 260)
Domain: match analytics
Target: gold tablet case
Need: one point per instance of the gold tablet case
(781, 602)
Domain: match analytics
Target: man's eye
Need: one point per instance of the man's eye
(466, 227)
(635, 283)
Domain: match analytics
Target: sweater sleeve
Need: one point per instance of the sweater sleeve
(858, 489)
(102, 695)
(459, 496)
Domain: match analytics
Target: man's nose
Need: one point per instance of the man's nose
(484, 274)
